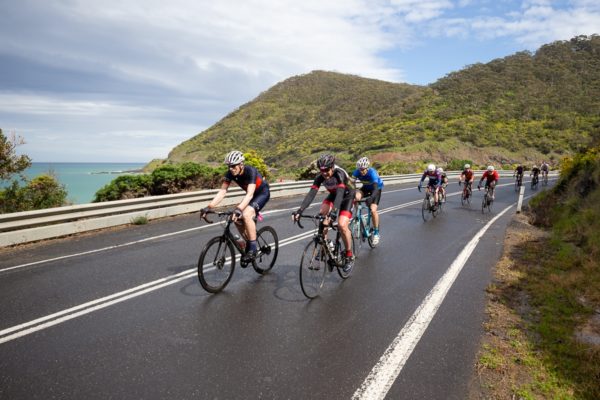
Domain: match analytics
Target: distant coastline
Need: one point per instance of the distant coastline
(83, 180)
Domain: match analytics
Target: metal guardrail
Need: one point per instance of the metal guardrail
(29, 226)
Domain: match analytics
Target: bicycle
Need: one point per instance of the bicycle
(518, 182)
(534, 182)
(361, 225)
(467, 192)
(488, 199)
(428, 208)
(217, 260)
(320, 256)
(545, 179)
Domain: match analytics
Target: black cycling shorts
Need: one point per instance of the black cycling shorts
(371, 200)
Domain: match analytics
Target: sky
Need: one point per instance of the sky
(128, 80)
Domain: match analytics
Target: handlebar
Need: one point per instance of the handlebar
(219, 213)
(318, 217)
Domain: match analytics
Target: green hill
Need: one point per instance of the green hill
(523, 107)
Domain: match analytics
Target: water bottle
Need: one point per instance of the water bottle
(365, 218)
(241, 242)
(330, 245)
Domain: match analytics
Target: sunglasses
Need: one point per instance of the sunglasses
(233, 166)
(325, 169)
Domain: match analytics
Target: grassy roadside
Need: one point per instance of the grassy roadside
(542, 335)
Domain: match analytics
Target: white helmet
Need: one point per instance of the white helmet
(234, 158)
(440, 170)
(490, 168)
(363, 163)
(467, 166)
(431, 167)
(534, 166)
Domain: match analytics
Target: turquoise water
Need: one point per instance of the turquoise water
(82, 180)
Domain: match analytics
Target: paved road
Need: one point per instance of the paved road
(120, 313)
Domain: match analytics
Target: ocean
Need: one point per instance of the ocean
(82, 180)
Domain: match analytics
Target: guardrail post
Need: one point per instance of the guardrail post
(520, 202)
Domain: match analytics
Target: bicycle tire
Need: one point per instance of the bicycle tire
(312, 270)
(356, 232)
(425, 212)
(216, 274)
(484, 203)
(267, 244)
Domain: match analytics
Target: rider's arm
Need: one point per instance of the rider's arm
(310, 196)
(219, 196)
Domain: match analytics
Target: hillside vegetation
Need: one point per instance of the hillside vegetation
(520, 108)
(543, 330)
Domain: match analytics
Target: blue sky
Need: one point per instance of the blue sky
(128, 80)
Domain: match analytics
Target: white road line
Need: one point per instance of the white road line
(387, 369)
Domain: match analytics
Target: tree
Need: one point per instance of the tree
(10, 163)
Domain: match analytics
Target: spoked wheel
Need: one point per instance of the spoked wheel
(268, 246)
(356, 231)
(427, 214)
(486, 204)
(216, 264)
(313, 267)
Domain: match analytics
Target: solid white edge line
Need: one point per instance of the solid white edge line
(384, 373)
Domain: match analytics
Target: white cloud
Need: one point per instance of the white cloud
(153, 70)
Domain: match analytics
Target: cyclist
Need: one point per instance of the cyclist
(371, 189)
(257, 196)
(535, 171)
(466, 176)
(519, 173)
(545, 168)
(492, 177)
(434, 183)
(440, 170)
(339, 201)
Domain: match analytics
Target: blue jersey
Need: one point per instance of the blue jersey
(369, 180)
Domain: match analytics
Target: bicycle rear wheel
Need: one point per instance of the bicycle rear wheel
(313, 267)
(267, 244)
(216, 264)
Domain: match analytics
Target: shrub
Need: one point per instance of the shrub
(43, 191)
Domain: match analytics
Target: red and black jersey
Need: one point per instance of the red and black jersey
(249, 176)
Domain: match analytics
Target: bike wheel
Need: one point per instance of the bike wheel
(425, 210)
(484, 203)
(267, 244)
(313, 267)
(356, 231)
(216, 264)
(517, 185)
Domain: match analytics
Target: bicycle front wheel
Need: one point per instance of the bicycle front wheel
(313, 267)
(356, 231)
(484, 203)
(267, 244)
(216, 264)
(425, 210)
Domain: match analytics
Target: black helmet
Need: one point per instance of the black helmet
(326, 161)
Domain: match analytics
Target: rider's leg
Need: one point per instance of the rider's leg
(375, 216)
(325, 209)
(343, 222)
